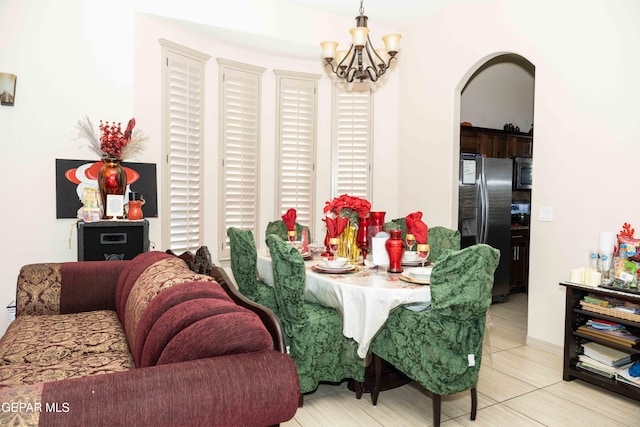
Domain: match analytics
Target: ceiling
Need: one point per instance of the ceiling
(391, 11)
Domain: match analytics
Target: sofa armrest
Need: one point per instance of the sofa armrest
(201, 263)
(258, 388)
(69, 287)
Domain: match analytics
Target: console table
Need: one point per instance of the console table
(112, 240)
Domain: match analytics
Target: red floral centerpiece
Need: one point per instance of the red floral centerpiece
(342, 218)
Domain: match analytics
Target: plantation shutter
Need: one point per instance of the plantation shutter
(240, 136)
(183, 89)
(297, 111)
(351, 149)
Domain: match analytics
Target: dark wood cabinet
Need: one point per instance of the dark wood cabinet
(576, 316)
(519, 259)
(495, 142)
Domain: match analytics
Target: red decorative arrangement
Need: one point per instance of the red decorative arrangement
(348, 206)
(113, 140)
(112, 179)
(627, 231)
(343, 213)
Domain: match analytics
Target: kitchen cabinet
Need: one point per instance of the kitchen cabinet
(495, 142)
(576, 316)
(519, 259)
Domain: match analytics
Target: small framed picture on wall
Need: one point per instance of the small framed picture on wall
(7, 88)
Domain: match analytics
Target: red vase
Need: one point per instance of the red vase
(135, 210)
(362, 239)
(395, 248)
(376, 223)
(112, 179)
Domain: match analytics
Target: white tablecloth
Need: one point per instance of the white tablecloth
(365, 298)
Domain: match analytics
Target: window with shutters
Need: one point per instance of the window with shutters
(296, 144)
(182, 136)
(239, 114)
(351, 158)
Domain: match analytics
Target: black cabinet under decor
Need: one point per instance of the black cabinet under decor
(112, 240)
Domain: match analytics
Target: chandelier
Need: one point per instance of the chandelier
(361, 61)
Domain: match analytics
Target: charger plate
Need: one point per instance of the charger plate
(414, 280)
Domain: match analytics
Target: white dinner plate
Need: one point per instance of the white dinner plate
(419, 272)
(321, 268)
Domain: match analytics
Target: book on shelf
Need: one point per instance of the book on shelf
(591, 368)
(607, 355)
(620, 338)
(592, 365)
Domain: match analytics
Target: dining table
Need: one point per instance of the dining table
(365, 296)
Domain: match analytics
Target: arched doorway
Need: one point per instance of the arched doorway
(496, 106)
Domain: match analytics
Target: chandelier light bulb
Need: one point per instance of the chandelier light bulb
(329, 50)
(392, 43)
(359, 36)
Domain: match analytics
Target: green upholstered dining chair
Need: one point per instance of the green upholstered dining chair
(279, 228)
(440, 239)
(441, 348)
(244, 258)
(313, 332)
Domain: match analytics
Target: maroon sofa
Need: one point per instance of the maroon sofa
(146, 342)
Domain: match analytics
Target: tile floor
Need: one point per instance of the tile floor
(519, 386)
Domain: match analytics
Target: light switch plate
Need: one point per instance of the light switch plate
(546, 214)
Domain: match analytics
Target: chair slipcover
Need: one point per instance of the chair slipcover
(434, 347)
(279, 228)
(244, 258)
(313, 332)
(440, 239)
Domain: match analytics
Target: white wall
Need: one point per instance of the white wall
(586, 123)
(72, 59)
(501, 92)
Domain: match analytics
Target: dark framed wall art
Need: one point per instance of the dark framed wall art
(72, 176)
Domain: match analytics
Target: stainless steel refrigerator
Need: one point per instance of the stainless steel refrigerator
(484, 212)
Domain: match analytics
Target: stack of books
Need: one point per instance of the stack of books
(604, 360)
(609, 331)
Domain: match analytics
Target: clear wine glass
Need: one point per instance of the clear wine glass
(410, 239)
(423, 252)
(334, 243)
